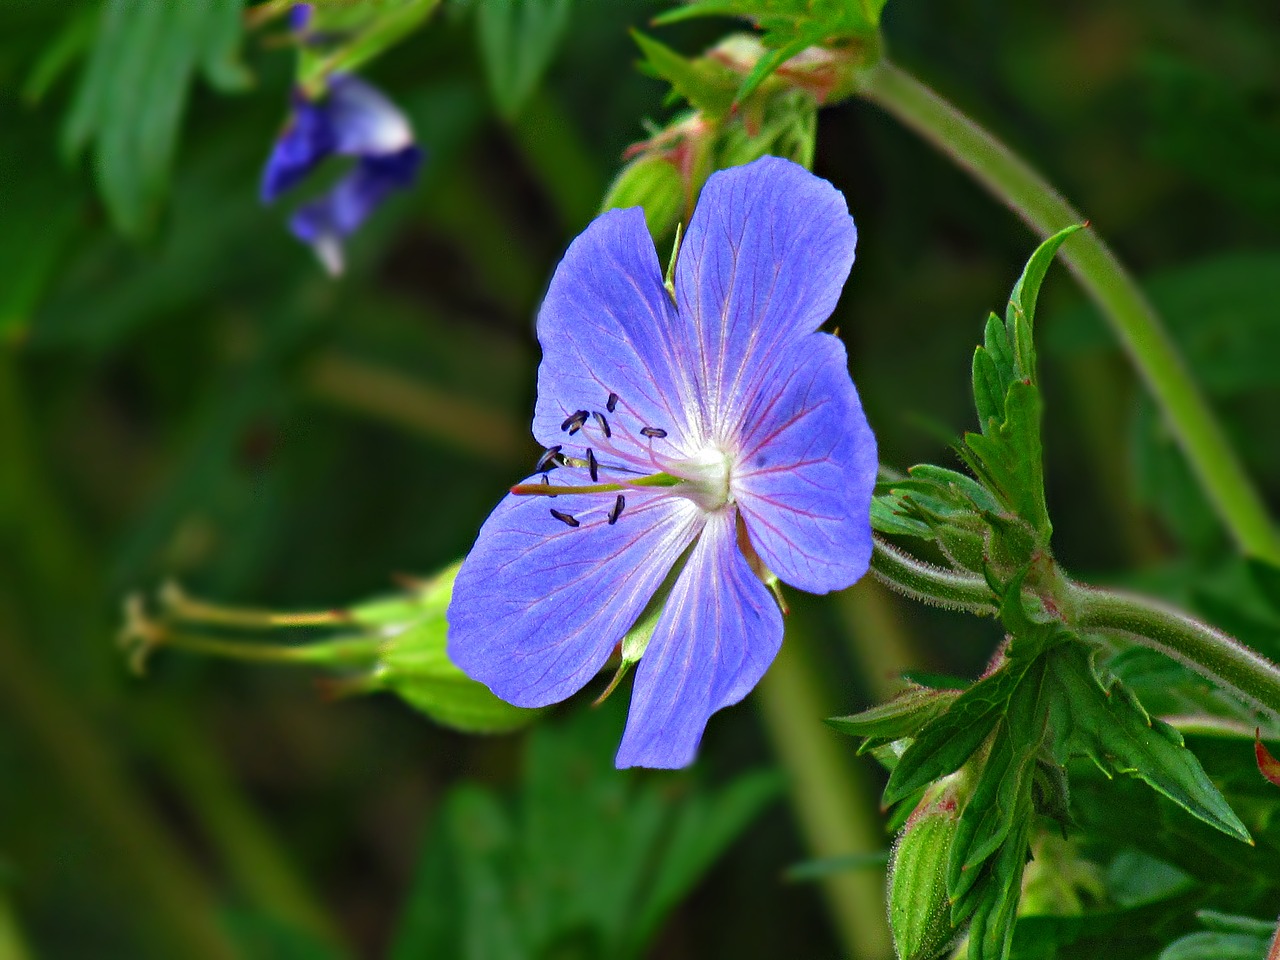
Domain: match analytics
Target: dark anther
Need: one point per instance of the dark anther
(612, 405)
(592, 466)
(616, 512)
(656, 432)
(546, 482)
(548, 461)
(604, 424)
(574, 423)
(565, 518)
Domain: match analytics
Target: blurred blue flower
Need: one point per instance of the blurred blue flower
(352, 119)
(712, 441)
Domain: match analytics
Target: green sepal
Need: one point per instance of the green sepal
(1103, 721)
(413, 663)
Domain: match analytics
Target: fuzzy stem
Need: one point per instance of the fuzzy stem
(1203, 648)
(929, 584)
(1119, 298)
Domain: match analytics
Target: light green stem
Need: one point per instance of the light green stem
(1198, 645)
(834, 809)
(1132, 318)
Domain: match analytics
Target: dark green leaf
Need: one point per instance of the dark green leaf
(518, 39)
(707, 85)
(947, 741)
(1109, 726)
(1207, 945)
(134, 92)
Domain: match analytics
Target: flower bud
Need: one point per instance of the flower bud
(919, 911)
(653, 182)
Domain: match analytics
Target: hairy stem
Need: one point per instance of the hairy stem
(929, 584)
(1200, 646)
(1119, 298)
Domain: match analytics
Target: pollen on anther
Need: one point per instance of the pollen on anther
(604, 424)
(618, 506)
(612, 405)
(657, 433)
(574, 422)
(566, 518)
(548, 460)
(593, 466)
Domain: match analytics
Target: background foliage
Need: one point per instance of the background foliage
(184, 393)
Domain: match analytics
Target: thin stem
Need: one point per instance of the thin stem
(835, 806)
(1198, 645)
(344, 652)
(929, 584)
(1135, 323)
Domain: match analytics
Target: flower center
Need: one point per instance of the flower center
(704, 477)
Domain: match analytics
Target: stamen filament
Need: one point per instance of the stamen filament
(552, 490)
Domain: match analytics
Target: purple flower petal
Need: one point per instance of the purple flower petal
(715, 639)
(605, 328)
(307, 140)
(326, 221)
(538, 606)
(365, 122)
(807, 466)
(762, 264)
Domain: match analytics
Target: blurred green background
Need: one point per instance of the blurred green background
(199, 401)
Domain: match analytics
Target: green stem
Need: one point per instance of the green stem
(1198, 645)
(929, 584)
(351, 652)
(1119, 298)
(835, 807)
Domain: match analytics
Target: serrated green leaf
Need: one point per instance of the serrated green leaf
(1106, 724)
(1020, 313)
(518, 40)
(708, 86)
(1004, 778)
(948, 740)
(1009, 458)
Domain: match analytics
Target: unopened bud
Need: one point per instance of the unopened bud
(654, 183)
(919, 911)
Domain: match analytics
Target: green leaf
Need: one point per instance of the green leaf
(707, 85)
(518, 39)
(134, 92)
(903, 716)
(461, 904)
(1207, 945)
(1002, 784)
(1107, 724)
(1021, 311)
(368, 29)
(948, 740)
(789, 26)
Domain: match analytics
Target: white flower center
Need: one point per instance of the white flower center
(705, 477)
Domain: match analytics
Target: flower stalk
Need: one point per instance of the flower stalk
(1117, 295)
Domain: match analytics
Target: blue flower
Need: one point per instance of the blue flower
(716, 438)
(352, 119)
